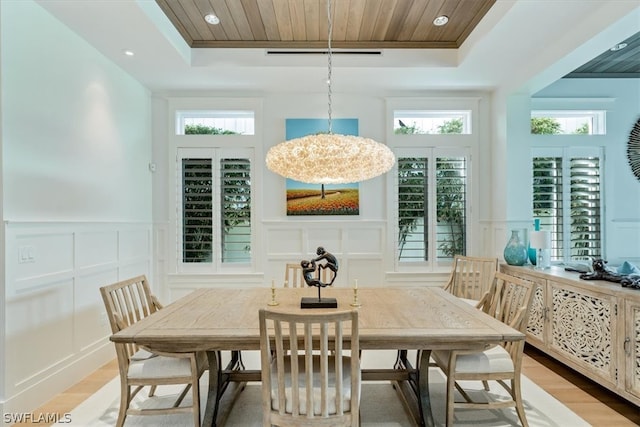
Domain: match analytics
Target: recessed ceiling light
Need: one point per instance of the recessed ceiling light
(212, 19)
(441, 20)
(619, 46)
(128, 52)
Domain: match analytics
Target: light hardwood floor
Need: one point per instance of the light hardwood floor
(586, 398)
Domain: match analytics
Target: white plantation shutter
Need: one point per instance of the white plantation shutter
(585, 207)
(214, 210)
(548, 200)
(566, 199)
(451, 206)
(197, 210)
(235, 177)
(413, 237)
(432, 207)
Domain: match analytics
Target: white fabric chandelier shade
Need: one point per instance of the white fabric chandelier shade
(330, 159)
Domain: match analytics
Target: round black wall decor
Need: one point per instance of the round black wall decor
(633, 149)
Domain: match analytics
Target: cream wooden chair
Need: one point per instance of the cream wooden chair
(327, 383)
(293, 276)
(502, 363)
(127, 302)
(471, 277)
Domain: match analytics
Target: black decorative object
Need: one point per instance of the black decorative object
(312, 266)
(600, 272)
(630, 282)
(633, 150)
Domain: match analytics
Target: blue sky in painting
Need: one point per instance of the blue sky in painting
(296, 128)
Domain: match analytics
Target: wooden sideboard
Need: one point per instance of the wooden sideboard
(593, 326)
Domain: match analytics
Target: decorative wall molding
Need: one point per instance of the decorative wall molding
(56, 328)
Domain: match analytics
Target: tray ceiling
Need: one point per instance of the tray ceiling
(357, 24)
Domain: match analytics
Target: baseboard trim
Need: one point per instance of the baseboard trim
(56, 382)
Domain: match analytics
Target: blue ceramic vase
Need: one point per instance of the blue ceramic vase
(515, 253)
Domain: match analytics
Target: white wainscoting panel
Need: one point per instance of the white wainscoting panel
(358, 246)
(56, 326)
(284, 241)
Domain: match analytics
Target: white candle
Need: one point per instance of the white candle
(273, 284)
(355, 286)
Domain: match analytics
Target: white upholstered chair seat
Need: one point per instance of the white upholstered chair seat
(346, 386)
(493, 360)
(472, 302)
(159, 367)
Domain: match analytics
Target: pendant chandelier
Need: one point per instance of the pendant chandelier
(328, 158)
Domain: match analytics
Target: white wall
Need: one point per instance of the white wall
(621, 190)
(363, 244)
(621, 99)
(76, 141)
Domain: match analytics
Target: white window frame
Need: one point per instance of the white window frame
(419, 118)
(416, 145)
(567, 153)
(217, 146)
(431, 153)
(597, 119)
(215, 154)
(240, 121)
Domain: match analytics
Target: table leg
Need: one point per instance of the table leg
(423, 386)
(418, 383)
(218, 382)
(214, 393)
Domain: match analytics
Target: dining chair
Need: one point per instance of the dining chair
(471, 277)
(308, 374)
(293, 276)
(500, 363)
(127, 302)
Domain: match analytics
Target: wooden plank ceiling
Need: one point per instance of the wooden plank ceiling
(623, 62)
(302, 24)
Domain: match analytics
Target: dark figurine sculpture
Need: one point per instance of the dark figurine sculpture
(331, 263)
(308, 268)
(600, 272)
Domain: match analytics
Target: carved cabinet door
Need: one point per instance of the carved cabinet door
(583, 329)
(632, 347)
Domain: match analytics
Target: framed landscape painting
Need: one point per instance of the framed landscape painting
(321, 199)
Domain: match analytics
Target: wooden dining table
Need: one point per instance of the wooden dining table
(396, 318)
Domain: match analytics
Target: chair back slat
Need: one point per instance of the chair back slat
(471, 277)
(309, 365)
(293, 277)
(511, 305)
(126, 303)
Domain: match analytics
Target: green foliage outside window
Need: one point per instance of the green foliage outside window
(206, 130)
(451, 126)
(545, 126)
(583, 129)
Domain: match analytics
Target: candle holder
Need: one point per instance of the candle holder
(273, 294)
(273, 298)
(355, 302)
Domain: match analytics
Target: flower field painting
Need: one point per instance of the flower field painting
(321, 199)
(308, 199)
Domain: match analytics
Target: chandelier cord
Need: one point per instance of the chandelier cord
(329, 35)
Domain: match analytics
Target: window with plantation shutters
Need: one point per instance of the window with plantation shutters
(432, 207)
(585, 207)
(215, 208)
(566, 199)
(197, 210)
(235, 209)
